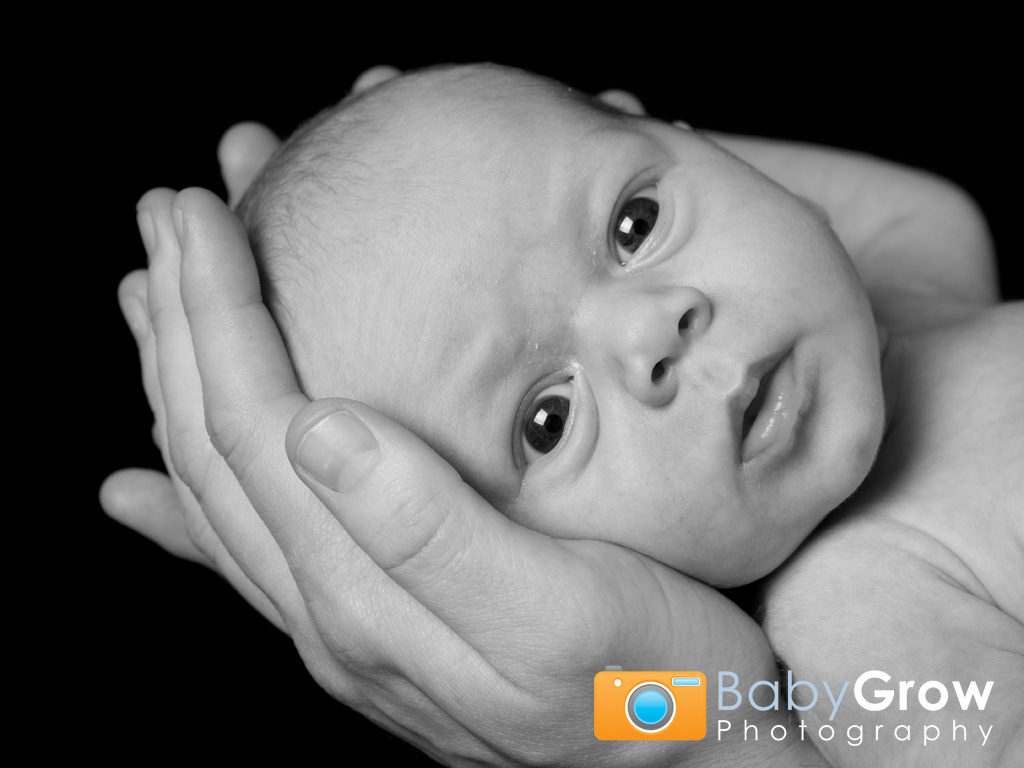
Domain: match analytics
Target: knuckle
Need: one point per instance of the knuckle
(416, 532)
(162, 316)
(157, 433)
(201, 534)
(191, 458)
(234, 436)
(226, 429)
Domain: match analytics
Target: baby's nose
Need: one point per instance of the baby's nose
(650, 334)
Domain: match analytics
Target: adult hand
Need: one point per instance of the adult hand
(160, 506)
(146, 501)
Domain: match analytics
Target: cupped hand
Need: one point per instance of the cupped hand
(156, 505)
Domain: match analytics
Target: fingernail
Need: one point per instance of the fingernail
(147, 231)
(338, 452)
(178, 227)
(134, 314)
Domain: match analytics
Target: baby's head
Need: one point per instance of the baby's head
(610, 326)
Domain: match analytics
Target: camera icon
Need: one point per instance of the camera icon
(647, 706)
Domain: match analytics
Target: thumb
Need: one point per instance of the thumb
(391, 492)
(411, 512)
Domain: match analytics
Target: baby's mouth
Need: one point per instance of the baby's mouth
(767, 416)
(754, 408)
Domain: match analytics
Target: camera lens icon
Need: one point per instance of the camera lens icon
(650, 707)
(659, 705)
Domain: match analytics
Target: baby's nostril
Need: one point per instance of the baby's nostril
(684, 321)
(658, 372)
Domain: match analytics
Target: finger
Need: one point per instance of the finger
(146, 502)
(178, 380)
(179, 520)
(243, 151)
(622, 100)
(232, 534)
(131, 296)
(433, 535)
(167, 353)
(375, 76)
(149, 504)
(248, 385)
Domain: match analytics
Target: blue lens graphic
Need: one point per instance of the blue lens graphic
(650, 707)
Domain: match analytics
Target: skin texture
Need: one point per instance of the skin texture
(501, 286)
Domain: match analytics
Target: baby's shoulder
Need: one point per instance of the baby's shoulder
(874, 579)
(948, 472)
(919, 574)
(865, 596)
(996, 331)
(985, 344)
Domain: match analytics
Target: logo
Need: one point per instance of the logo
(649, 706)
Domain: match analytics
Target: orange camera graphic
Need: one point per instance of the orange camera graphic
(647, 706)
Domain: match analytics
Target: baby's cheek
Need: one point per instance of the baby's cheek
(594, 505)
(551, 505)
(850, 448)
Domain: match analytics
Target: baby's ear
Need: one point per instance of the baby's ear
(374, 76)
(624, 101)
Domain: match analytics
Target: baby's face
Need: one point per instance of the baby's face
(619, 331)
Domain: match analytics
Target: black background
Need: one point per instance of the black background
(147, 654)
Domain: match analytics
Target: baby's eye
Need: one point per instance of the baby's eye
(546, 420)
(634, 222)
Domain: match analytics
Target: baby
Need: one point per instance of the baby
(615, 329)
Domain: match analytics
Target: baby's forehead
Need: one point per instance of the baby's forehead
(484, 123)
(463, 159)
(508, 96)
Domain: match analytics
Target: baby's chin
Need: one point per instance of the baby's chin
(845, 461)
(738, 570)
(774, 530)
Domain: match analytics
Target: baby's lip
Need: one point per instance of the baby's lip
(750, 395)
(771, 422)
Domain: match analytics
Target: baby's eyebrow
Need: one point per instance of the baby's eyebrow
(583, 168)
(613, 135)
(578, 195)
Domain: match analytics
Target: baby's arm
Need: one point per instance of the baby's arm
(920, 244)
